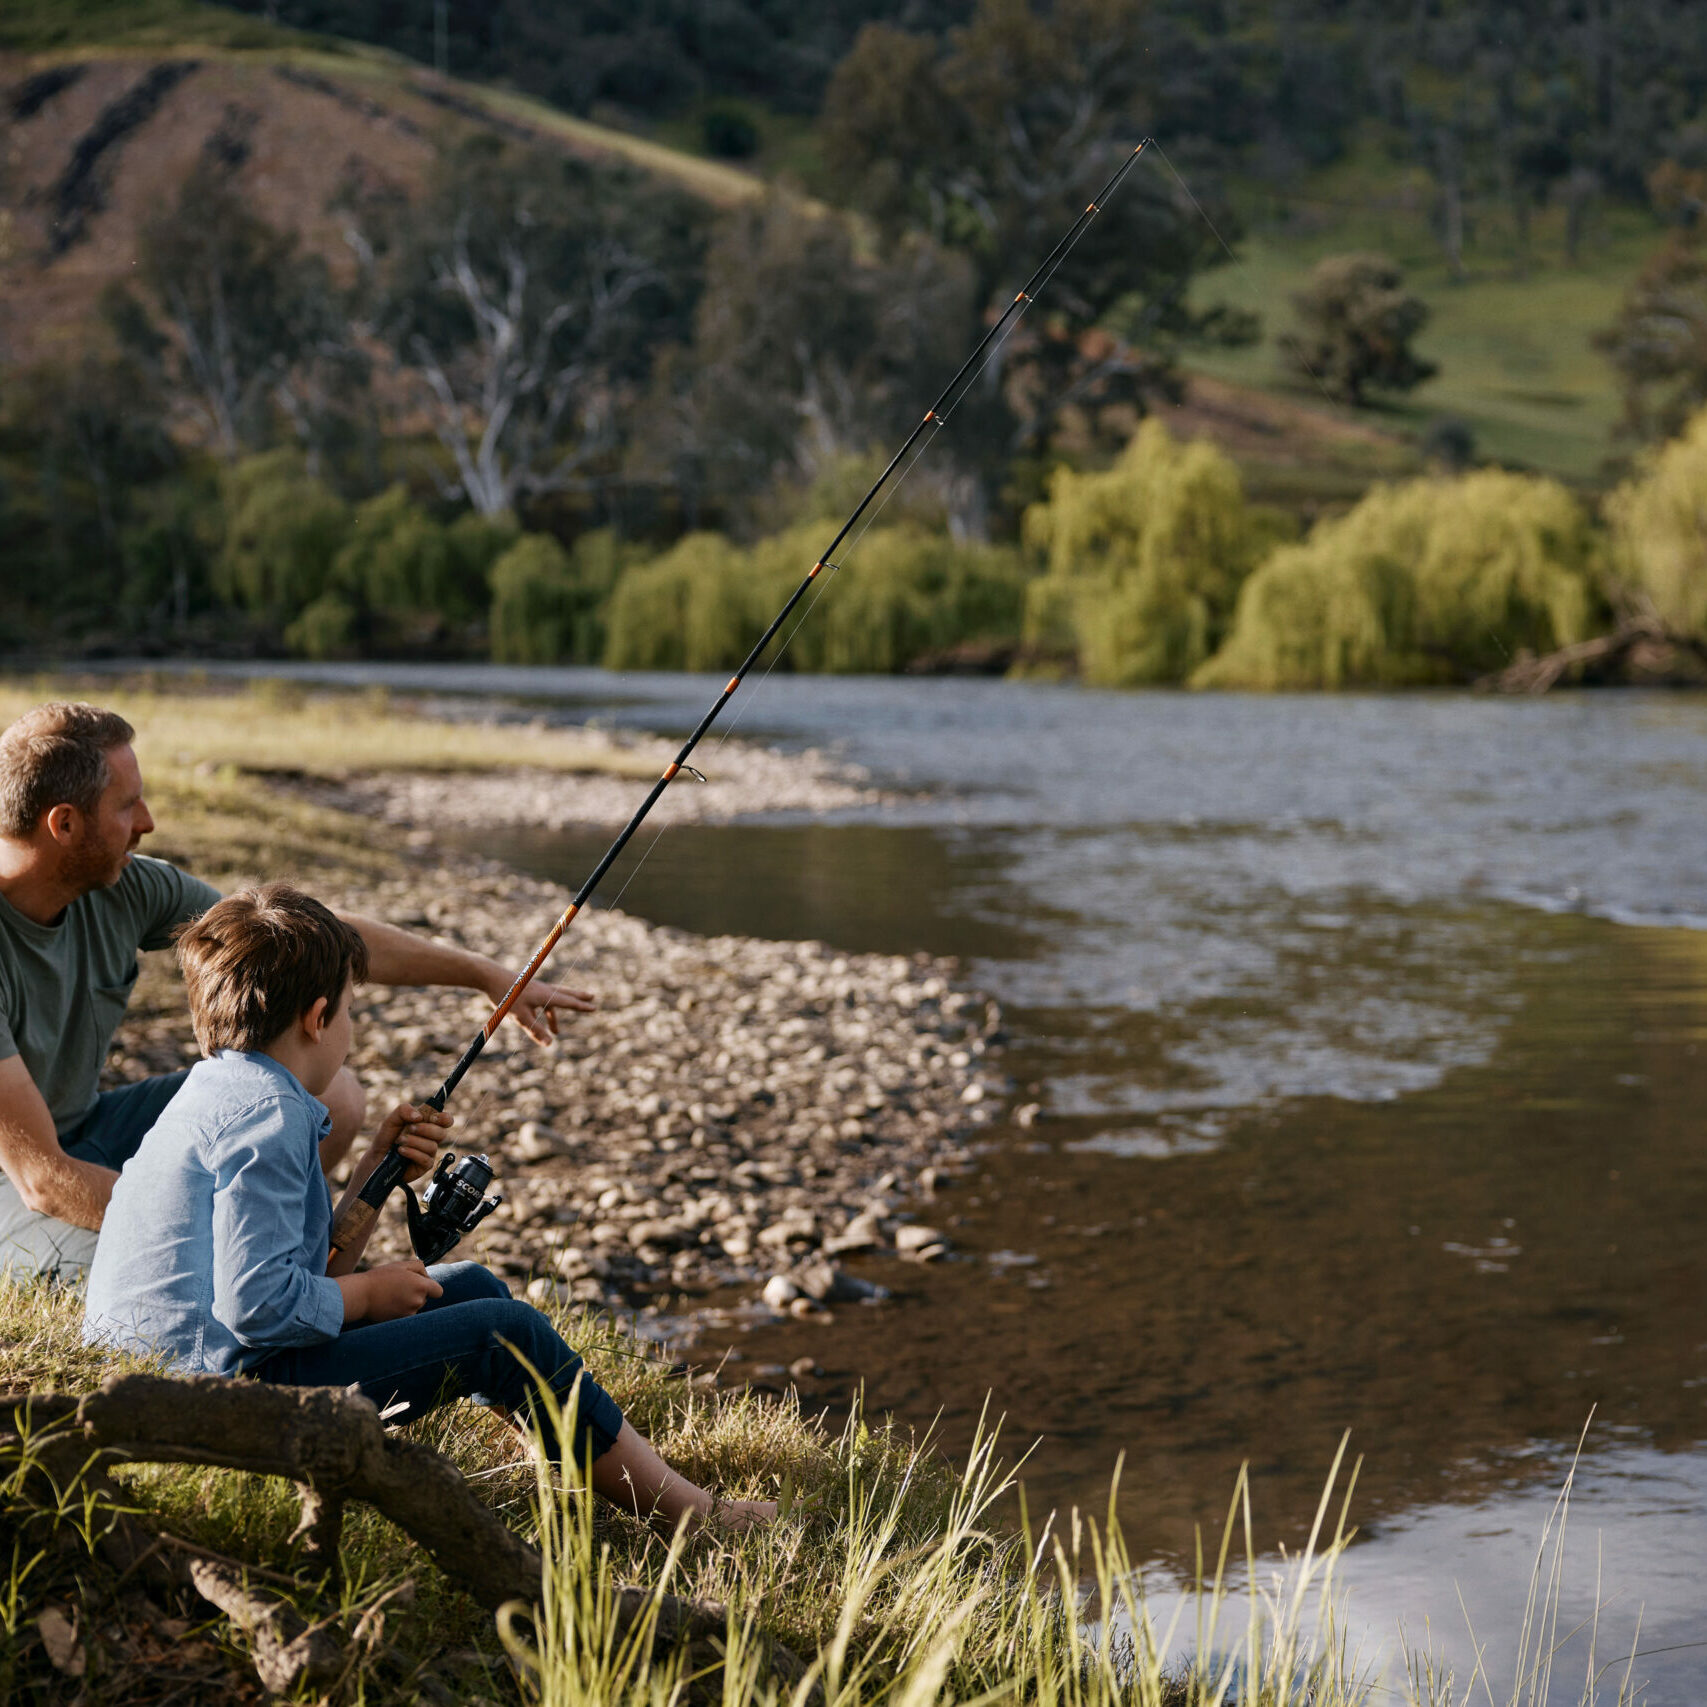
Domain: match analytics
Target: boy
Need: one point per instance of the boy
(213, 1251)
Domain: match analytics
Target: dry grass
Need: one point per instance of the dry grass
(205, 753)
(280, 728)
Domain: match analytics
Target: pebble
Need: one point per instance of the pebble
(685, 1139)
(779, 1292)
(804, 1369)
(911, 1240)
(534, 1143)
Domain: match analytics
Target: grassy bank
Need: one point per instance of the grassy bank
(206, 748)
(899, 1578)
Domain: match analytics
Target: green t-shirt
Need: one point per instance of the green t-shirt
(63, 987)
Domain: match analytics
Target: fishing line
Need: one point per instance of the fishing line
(846, 557)
(1309, 366)
(361, 1213)
(781, 652)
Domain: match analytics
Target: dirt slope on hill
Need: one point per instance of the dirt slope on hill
(93, 145)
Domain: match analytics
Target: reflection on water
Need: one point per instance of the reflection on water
(1454, 1579)
(1371, 1037)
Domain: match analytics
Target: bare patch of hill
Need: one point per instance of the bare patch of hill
(95, 145)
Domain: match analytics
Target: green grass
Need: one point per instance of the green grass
(1511, 339)
(203, 751)
(47, 26)
(900, 1580)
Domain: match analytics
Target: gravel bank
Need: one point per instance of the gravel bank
(739, 1113)
(740, 780)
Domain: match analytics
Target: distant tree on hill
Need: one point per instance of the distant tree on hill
(238, 325)
(988, 141)
(1357, 324)
(991, 140)
(1658, 343)
(526, 297)
(805, 353)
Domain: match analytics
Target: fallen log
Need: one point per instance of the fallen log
(1641, 648)
(332, 1445)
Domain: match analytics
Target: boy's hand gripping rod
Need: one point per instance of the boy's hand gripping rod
(365, 1207)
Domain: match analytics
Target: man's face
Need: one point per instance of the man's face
(111, 833)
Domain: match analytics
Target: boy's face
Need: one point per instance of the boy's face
(333, 1044)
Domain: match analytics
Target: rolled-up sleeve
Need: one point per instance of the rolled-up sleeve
(266, 1290)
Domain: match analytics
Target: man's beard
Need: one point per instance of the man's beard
(93, 865)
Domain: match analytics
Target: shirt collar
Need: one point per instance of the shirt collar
(277, 1070)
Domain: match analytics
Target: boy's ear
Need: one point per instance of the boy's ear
(314, 1018)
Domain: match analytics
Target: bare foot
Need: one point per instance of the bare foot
(738, 1516)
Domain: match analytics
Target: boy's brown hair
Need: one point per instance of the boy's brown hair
(257, 961)
(53, 756)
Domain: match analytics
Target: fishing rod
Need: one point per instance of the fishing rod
(455, 1202)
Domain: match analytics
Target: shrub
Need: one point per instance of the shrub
(546, 603)
(1659, 532)
(1431, 581)
(904, 592)
(325, 629)
(682, 611)
(398, 559)
(283, 531)
(1143, 562)
(729, 132)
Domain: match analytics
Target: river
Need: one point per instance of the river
(1369, 1039)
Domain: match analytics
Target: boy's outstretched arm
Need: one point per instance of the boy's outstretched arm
(414, 1130)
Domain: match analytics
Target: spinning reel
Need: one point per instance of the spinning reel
(455, 1205)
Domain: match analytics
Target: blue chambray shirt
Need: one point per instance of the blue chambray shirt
(213, 1250)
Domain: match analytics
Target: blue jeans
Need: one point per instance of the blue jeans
(451, 1350)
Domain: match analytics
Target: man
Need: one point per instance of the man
(76, 903)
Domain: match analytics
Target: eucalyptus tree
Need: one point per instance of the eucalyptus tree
(240, 325)
(524, 301)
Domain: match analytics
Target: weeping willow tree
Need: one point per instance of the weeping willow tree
(1430, 581)
(904, 592)
(1659, 532)
(678, 612)
(283, 530)
(1144, 561)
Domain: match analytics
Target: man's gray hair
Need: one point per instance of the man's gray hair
(54, 756)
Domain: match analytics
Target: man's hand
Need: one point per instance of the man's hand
(538, 1006)
(397, 957)
(413, 1130)
(388, 1293)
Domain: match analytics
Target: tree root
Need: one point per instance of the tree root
(331, 1444)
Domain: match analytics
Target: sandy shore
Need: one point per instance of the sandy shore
(739, 1113)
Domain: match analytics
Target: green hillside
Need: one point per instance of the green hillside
(1511, 338)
